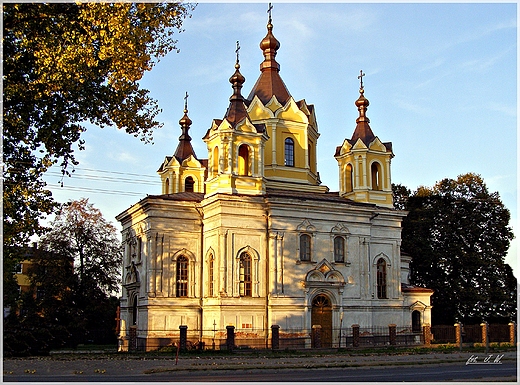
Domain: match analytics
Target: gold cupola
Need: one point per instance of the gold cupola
(235, 147)
(364, 161)
(183, 172)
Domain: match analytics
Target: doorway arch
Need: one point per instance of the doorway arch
(321, 314)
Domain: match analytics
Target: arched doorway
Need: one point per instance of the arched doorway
(322, 315)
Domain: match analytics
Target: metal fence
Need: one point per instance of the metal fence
(474, 333)
(291, 339)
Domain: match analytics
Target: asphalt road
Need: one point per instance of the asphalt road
(428, 373)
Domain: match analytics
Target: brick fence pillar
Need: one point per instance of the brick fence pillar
(427, 334)
(183, 339)
(483, 332)
(512, 333)
(230, 338)
(132, 345)
(316, 336)
(392, 332)
(275, 337)
(458, 334)
(355, 335)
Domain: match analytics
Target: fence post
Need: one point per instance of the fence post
(133, 338)
(275, 337)
(392, 331)
(512, 334)
(355, 335)
(230, 338)
(427, 334)
(183, 339)
(484, 331)
(316, 336)
(458, 334)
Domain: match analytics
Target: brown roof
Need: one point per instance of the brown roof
(268, 84)
(304, 196)
(182, 196)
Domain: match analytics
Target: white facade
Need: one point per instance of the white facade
(253, 253)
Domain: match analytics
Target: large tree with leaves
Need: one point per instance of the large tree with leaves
(74, 274)
(81, 234)
(458, 234)
(66, 64)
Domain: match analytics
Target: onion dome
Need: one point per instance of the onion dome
(236, 110)
(269, 45)
(269, 83)
(184, 148)
(363, 130)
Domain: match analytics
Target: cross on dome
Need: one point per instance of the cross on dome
(269, 12)
(361, 74)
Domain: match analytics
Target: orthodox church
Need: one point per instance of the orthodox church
(249, 237)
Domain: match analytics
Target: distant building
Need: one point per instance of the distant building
(250, 237)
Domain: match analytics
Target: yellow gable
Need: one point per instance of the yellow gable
(191, 162)
(291, 112)
(246, 126)
(376, 145)
(359, 145)
(345, 147)
(257, 111)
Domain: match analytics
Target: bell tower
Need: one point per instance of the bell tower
(236, 147)
(364, 161)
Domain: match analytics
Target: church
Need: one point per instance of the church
(247, 236)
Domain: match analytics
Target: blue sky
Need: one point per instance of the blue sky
(441, 80)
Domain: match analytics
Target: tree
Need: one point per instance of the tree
(66, 64)
(73, 275)
(80, 233)
(458, 234)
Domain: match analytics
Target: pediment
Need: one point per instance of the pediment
(292, 112)
(191, 162)
(273, 104)
(418, 305)
(325, 272)
(171, 162)
(257, 111)
(359, 145)
(377, 145)
(306, 226)
(340, 228)
(245, 125)
(345, 148)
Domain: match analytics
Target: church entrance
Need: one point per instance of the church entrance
(322, 315)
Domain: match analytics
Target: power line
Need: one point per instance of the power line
(97, 190)
(104, 178)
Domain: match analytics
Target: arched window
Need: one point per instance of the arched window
(246, 282)
(310, 155)
(416, 321)
(349, 175)
(339, 249)
(243, 160)
(376, 176)
(215, 162)
(211, 276)
(182, 277)
(167, 186)
(289, 152)
(134, 310)
(189, 184)
(305, 247)
(381, 278)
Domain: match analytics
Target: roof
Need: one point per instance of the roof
(304, 196)
(182, 196)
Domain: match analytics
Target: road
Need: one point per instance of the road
(428, 373)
